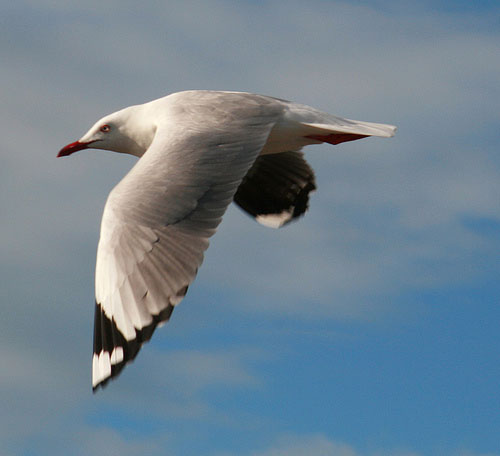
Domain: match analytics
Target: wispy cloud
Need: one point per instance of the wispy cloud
(321, 445)
(314, 445)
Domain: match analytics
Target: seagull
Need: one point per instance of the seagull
(198, 151)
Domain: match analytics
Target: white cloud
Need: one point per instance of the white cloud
(321, 445)
(189, 372)
(314, 445)
(317, 445)
(103, 441)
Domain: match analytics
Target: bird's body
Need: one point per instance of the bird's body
(199, 151)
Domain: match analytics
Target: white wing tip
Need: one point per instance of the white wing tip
(275, 220)
(102, 362)
(101, 367)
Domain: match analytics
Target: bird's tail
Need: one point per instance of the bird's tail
(322, 127)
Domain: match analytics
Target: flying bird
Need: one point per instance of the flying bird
(198, 151)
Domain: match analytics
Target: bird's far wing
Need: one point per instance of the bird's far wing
(276, 188)
(157, 222)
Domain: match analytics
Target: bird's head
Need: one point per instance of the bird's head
(124, 131)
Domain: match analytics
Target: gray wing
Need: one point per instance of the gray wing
(159, 218)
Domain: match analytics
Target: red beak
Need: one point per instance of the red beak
(73, 147)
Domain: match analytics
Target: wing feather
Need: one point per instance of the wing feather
(158, 220)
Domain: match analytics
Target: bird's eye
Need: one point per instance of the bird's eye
(105, 128)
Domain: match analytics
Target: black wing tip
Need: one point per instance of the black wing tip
(107, 337)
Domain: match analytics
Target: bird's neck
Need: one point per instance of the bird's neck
(140, 131)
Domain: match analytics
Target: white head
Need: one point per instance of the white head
(127, 131)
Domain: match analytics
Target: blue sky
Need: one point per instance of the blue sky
(370, 327)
